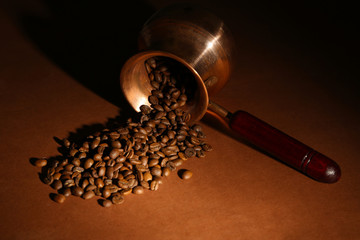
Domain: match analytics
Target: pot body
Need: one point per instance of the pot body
(190, 35)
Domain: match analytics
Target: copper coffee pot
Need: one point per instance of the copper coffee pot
(200, 41)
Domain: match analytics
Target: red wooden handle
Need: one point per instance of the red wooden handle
(285, 148)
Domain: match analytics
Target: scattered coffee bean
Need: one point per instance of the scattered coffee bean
(138, 190)
(59, 198)
(113, 163)
(41, 162)
(77, 191)
(106, 203)
(88, 195)
(187, 174)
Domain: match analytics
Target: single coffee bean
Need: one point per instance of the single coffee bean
(166, 171)
(57, 176)
(88, 195)
(126, 191)
(200, 154)
(77, 191)
(66, 143)
(155, 171)
(187, 174)
(101, 171)
(88, 163)
(65, 191)
(42, 162)
(90, 188)
(153, 162)
(59, 198)
(151, 62)
(57, 184)
(95, 143)
(99, 183)
(115, 152)
(154, 185)
(106, 203)
(189, 152)
(106, 193)
(178, 162)
(97, 157)
(147, 176)
(138, 190)
(116, 198)
(48, 179)
(78, 169)
(109, 172)
(154, 100)
(155, 146)
(158, 179)
(206, 147)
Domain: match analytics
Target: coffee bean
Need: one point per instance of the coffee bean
(69, 183)
(145, 184)
(84, 183)
(106, 203)
(166, 171)
(77, 191)
(160, 115)
(187, 174)
(126, 191)
(178, 162)
(158, 179)
(88, 195)
(155, 146)
(200, 154)
(151, 62)
(189, 152)
(116, 198)
(155, 171)
(101, 171)
(95, 143)
(88, 163)
(109, 172)
(57, 176)
(99, 183)
(57, 184)
(147, 176)
(182, 156)
(78, 169)
(138, 190)
(154, 185)
(154, 100)
(76, 162)
(66, 192)
(106, 193)
(97, 157)
(47, 179)
(206, 147)
(59, 198)
(115, 152)
(42, 162)
(66, 143)
(153, 162)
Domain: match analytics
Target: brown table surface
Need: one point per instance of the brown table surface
(295, 69)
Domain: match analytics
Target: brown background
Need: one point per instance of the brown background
(295, 68)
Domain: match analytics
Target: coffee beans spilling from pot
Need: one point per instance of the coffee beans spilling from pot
(135, 157)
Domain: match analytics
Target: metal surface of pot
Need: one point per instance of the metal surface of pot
(193, 37)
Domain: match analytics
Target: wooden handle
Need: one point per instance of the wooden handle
(285, 148)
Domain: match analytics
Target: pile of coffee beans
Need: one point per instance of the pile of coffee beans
(134, 157)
